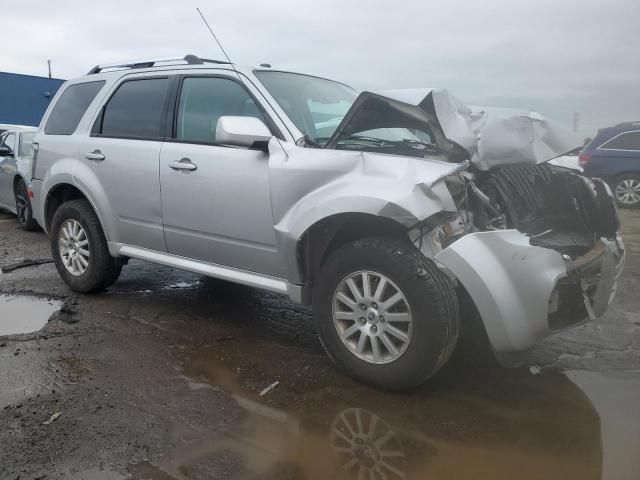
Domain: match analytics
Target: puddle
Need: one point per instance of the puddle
(483, 422)
(617, 400)
(20, 314)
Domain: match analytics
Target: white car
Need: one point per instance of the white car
(7, 126)
(15, 173)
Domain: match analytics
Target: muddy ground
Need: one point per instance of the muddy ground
(159, 377)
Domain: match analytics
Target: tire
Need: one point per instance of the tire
(626, 189)
(24, 212)
(113, 276)
(101, 269)
(429, 297)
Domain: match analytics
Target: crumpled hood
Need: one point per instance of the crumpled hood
(491, 136)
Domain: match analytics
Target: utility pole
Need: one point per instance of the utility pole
(49, 66)
(576, 121)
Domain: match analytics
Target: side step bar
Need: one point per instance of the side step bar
(222, 272)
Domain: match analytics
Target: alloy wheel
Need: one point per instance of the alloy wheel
(368, 446)
(372, 317)
(73, 244)
(628, 191)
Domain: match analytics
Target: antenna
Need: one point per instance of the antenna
(219, 45)
(229, 60)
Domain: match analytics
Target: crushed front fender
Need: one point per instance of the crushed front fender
(515, 286)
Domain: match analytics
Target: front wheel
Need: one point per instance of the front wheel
(79, 248)
(626, 188)
(23, 207)
(385, 313)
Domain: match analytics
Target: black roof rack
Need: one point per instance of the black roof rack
(156, 62)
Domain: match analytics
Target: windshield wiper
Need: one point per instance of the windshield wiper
(428, 146)
(378, 141)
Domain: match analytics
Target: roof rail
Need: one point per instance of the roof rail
(156, 62)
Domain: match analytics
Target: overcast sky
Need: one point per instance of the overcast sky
(555, 56)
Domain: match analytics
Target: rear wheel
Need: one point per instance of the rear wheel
(79, 248)
(385, 313)
(23, 207)
(626, 189)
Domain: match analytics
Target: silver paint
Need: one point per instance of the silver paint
(511, 282)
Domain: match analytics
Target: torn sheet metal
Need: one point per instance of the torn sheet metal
(491, 136)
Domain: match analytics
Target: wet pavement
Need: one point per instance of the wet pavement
(159, 377)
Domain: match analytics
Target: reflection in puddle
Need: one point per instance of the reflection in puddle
(19, 314)
(500, 424)
(369, 446)
(617, 400)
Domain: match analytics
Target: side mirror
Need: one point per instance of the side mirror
(247, 132)
(5, 151)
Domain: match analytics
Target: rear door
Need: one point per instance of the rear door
(123, 151)
(218, 210)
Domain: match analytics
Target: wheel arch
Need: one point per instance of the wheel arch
(63, 192)
(625, 173)
(16, 178)
(329, 233)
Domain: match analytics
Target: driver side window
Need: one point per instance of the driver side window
(203, 100)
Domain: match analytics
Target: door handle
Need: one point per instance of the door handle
(95, 155)
(183, 164)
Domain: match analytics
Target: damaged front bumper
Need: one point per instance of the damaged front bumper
(524, 293)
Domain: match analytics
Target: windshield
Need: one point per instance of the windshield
(315, 105)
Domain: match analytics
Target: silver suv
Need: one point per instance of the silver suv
(384, 211)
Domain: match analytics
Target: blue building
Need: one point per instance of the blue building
(24, 98)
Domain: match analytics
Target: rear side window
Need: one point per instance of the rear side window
(70, 108)
(624, 141)
(136, 110)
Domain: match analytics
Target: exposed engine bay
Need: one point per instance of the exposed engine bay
(555, 207)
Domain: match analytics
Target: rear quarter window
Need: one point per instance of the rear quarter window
(70, 107)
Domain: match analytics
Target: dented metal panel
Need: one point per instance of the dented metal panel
(308, 185)
(510, 283)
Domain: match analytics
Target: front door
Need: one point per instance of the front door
(217, 208)
(8, 170)
(123, 151)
